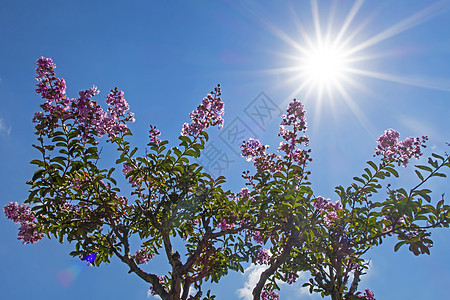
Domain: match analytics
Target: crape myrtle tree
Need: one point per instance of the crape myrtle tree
(276, 220)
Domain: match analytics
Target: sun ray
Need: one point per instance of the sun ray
(408, 23)
(357, 112)
(348, 20)
(316, 20)
(435, 84)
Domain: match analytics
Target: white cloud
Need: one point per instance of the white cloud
(294, 291)
(252, 274)
(4, 128)
(150, 296)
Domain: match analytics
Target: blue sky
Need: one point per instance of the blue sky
(167, 55)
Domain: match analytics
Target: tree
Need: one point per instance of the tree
(175, 202)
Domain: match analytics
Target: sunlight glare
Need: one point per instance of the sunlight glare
(326, 62)
(324, 65)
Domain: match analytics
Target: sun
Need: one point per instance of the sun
(324, 65)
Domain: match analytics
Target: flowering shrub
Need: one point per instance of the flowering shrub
(174, 199)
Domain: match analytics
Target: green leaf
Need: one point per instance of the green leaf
(205, 134)
(419, 175)
(392, 171)
(425, 168)
(185, 140)
(133, 152)
(398, 245)
(437, 156)
(359, 179)
(192, 152)
(439, 174)
(177, 151)
(433, 163)
(373, 165)
(37, 162)
(37, 174)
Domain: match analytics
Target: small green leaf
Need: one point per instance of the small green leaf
(437, 156)
(37, 174)
(419, 175)
(398, 245)
(373, 165)
(392, 171)
(359, 179)
(425, 168)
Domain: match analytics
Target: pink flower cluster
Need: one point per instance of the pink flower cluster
(142, 257)
(329, 209)
(292, 127)
(394, 151)
(45, 66)
(224, 225)
(70, 209)
(254, 150)
(209, 113)
(153, 134)
(262, 256)
(290, 277)
(257, 237)
(295, 119)
(22, 214)
(368, 295)
(268, 294)
(126, 169)
(88, 115)
(245, 192)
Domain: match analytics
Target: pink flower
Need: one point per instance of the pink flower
(328, 209)
(245, 192)
(329, 217)
(392, 150)
(224, 225)
(22, 214)
(254, 150)
(89, 117)
(44, 68)
(19, 214)
(268, 294)
(368, 295)
(320, 203)
(258, 238)
(290, 277)
(142, 257)
(292, 125)
(208, 113)
(262, 256)
(126, 169)
(29, 233)
(153, 134)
